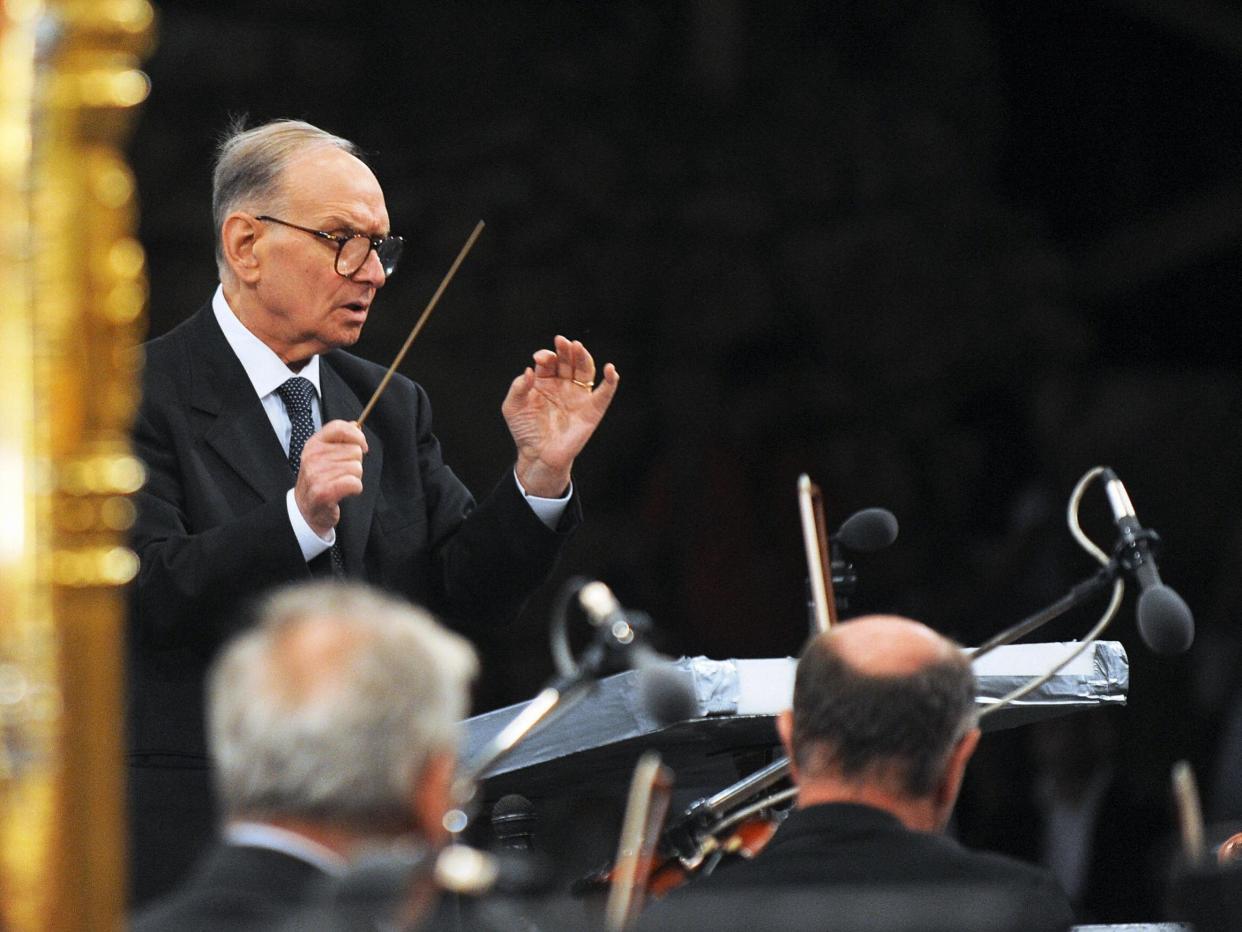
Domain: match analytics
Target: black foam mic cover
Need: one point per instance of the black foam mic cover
(867, 531)
(1164, 620)
(666, 693)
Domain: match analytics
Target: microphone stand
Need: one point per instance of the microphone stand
(603, 653)
(1127, 558)
(685, 834)
(1089, 587)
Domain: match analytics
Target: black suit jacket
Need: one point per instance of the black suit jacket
(212, 529)
(841, 866)
(234, 888)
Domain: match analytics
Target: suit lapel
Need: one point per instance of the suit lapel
(242, 433)
(340, 403)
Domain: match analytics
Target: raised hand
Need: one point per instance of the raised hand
(552, 410)
(331, 470)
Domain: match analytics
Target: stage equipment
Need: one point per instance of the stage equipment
(1164, 620)
(597, 741)
(616, 645)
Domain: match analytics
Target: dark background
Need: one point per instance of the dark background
(942, 256)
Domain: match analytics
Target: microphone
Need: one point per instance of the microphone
(513, 822)
(864, 531)
(867, 531)
(1165, 622)
(604, 611)
(666, 694)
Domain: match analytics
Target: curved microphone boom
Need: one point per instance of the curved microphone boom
(1165, 622)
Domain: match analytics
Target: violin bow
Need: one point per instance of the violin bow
(650, 791)
(818, 561)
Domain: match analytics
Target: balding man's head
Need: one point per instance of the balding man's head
(884, 700)
(889, 645)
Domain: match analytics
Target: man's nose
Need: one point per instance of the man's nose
(372, 271)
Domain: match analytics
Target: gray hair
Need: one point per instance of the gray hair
(880, 728)
(329, 708)
(250, 165)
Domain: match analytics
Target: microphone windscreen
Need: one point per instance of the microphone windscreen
(1164, 621)
(868, 530)
(666, 694)
(510, 806)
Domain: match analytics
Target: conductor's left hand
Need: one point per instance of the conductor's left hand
(552, 410)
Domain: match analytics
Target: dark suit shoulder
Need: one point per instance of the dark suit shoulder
(849, 846)
(234, 888)
(193, 354)
(184, 335)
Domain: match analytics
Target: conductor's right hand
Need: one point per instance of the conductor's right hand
(331, 470)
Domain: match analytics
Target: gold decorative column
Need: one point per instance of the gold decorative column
(73, 287)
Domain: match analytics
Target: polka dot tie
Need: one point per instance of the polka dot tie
(296, 393)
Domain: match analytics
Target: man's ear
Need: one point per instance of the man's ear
(431, 796)
(954, 771)
(784, 728)
(238, 237)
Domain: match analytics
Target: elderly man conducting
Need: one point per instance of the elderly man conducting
(259, 475)
(333, 727)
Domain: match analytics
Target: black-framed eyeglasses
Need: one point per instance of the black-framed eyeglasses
(352, 251)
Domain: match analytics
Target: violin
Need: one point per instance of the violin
(742, 835)
(1230, 851)
(736, 822)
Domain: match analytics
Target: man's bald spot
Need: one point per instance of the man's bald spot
(888, 645)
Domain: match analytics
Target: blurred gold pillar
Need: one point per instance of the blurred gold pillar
(73, 287)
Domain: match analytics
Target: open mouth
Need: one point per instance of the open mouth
(357, 306)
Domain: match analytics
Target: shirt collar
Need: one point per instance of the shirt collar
(266, 371)
(262, 835)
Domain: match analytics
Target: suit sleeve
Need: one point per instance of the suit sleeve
(485, 558)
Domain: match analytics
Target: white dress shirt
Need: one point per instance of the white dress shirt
(262, 835)
(267, 372)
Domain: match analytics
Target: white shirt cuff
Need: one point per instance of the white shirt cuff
(547, 510)
(311, 543)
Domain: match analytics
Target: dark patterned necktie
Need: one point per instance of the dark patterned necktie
(296, 393)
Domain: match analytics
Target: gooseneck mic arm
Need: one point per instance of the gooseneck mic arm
(1164, 621)
(1079, 594)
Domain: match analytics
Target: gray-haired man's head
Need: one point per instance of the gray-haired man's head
(331, 707)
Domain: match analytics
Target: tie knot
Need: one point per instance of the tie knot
(296, 393)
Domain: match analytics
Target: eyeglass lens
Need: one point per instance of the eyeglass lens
(353, 254)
